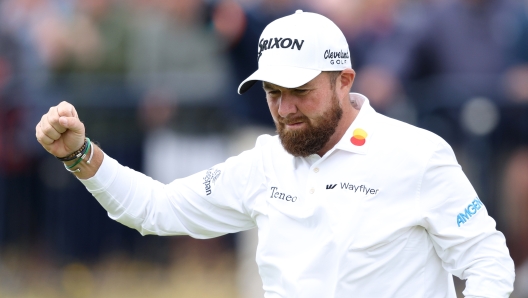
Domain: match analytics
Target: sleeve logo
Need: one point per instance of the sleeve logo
(210, 177)
(470, 210)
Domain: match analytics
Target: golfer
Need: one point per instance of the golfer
(347, 202)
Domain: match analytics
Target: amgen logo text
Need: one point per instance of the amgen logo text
(470, 210)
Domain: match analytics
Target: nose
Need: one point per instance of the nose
(287, 105)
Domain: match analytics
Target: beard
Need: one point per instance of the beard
(312, 138)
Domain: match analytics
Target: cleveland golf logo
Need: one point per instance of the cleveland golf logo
(279, 43)
(359, 137)
(336, 57)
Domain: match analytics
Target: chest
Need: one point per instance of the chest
(348, 200)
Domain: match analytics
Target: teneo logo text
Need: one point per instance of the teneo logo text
(210, 177)
(281, 196)
(279, 43)
(337, 57)
(470, 210)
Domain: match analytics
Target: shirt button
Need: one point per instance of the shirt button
(312, 190)
(316, 170)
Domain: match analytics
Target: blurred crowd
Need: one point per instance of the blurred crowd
(155, 84)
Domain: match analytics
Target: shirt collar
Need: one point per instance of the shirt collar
(357, 137)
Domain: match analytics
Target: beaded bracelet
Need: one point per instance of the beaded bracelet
(75, 154)
(88, 146)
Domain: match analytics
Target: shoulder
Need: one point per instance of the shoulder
(265, 145)
(406, 131)
(268, 142)
(410, 140)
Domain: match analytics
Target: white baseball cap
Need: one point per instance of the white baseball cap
(295, 49)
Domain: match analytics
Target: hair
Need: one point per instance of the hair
(333, 75)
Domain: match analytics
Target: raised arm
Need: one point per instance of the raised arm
(208, 204)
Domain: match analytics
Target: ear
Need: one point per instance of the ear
(345, 81)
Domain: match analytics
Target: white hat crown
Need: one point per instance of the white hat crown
(293, 50)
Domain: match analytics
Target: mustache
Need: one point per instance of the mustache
(292, 120)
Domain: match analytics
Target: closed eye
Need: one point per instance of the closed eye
(273, 92)
(301, 91)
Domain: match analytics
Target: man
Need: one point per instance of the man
(347, 202)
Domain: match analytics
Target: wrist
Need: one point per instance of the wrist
(73, 165)
(77, 153)
(85, 170)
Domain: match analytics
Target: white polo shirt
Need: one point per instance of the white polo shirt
(387, 212)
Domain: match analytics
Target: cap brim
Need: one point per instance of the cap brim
(280, 75)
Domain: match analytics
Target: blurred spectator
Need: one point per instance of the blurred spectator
(18, 202)
(172, 48)
(364, 23)
(169, 155)
(455, 51)
(93, 39)
(37, 27)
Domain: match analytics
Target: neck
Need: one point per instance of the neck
(349, 115)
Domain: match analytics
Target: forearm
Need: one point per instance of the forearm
(152, 207)
(129, 197)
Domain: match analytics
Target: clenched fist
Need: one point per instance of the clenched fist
(60, 131)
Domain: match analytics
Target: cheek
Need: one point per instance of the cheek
(313, 106)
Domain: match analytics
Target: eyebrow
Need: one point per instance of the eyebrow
(267, 85)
